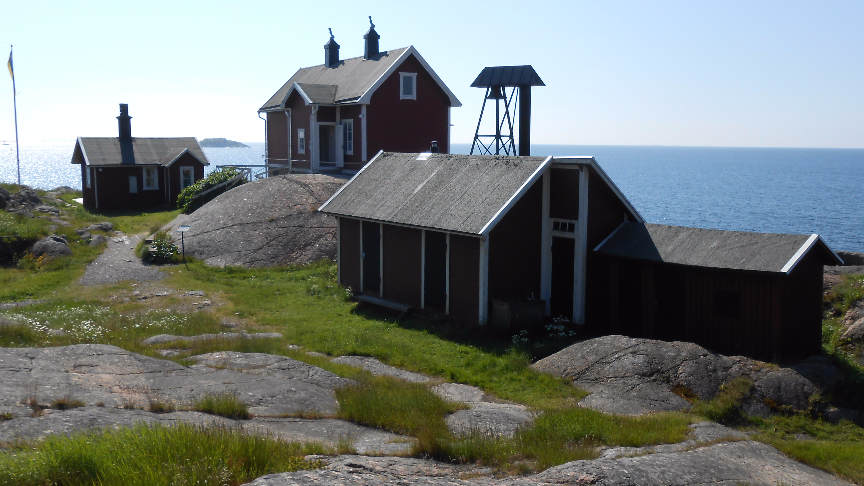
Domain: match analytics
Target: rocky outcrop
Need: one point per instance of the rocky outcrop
(4, 197)
(23, 202)
(51, 246)
(744, 462)
(264, 223)
(635, 376)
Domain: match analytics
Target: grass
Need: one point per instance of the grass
(222, 404)
(153, 456)
(306, 305)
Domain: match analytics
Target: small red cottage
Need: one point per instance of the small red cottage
(129, 172)
(452, 233)
(738, 293)
(333, 116)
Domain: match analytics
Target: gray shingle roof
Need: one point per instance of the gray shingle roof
(507, 76)
(450, 192)
(324, 94)
(353, 78)
(738, 250)
(107, 151)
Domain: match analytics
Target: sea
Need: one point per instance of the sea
(769, 190)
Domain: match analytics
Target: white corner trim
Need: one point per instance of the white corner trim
(350, 180)
(393, 67)
(515, 197)
(610, 236)
(605, 177)
(790, 265)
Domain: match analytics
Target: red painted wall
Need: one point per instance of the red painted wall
(515, 248)
(277, 142)
(174, 179)
(465, 278)
(402, 264)
(300, 116)
(353, 161)
(349, 253)
(396, 125)
(112, 185)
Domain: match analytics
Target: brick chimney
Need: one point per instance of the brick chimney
(371, 38)
(331, 51)
(124, 123)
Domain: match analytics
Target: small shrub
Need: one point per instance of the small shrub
(156, 406)
(6, 416)
(66, 403)
(187, 200)
(222, 404)
(162, 250)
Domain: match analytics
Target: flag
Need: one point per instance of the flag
(9, 64)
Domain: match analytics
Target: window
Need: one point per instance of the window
(151, 178)
(187, 177)
(407, 86)
(301, 140)
(348, 136)
(87, 176)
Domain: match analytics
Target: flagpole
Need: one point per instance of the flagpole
(15, 108)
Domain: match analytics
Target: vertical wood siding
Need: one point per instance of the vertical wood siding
(515, 248)
(277, 141)
(402, 261)
(464, 277)
(349, 257)
(397, 125)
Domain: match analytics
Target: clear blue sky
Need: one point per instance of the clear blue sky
(733, 73)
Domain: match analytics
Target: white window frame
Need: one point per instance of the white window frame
(152, 182)
(301, 140)
(348, 136)
(191, 170)
(413, 94)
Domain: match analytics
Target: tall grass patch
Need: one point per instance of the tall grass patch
(154, 456)
(224, 404)
(400, 407)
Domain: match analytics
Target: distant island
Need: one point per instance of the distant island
(221, 143)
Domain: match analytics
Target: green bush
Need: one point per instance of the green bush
(162, 250)
(187, 202)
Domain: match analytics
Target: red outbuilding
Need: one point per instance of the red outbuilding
(491, 239)
(129, 172)
(333, 116)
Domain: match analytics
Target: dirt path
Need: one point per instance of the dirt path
(118, 262)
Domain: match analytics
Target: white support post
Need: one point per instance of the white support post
(381, 260)
(447, 277)
(422, 268)
(312, 140)
(581, 257)
(546, 246)
(484, 280)
(363, 117)
(339, 250)
(362, 257)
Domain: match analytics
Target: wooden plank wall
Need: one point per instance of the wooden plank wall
(402, 264)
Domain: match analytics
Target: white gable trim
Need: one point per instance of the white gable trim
(300, 91)
(83, 151)
(593, 163)
(350, 181)
(805, 248)
(515, 197)
(367, 96)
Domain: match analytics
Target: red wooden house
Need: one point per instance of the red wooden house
(129, 172)
(333, 116)
(737, 293)
(452, 233)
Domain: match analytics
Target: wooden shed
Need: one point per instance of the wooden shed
(736, 293)
(127, 172)
(451, 233)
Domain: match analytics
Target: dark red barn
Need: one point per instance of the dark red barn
(737, 293)
(129, 172)
(333, 116)
(453, 233)
(468, 236)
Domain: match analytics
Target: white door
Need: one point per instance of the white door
(340, 147)
(133, 185)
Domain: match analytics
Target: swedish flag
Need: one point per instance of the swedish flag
(9, 64)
